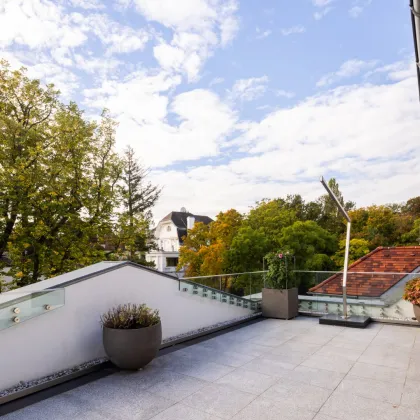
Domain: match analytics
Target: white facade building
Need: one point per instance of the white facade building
(168, 236)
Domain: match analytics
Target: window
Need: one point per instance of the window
(171, 262)
(168, 228)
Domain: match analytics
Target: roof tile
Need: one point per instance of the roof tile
(360, 282)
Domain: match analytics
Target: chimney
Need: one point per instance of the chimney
(190, 222)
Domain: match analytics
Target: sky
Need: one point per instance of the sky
(232, 101)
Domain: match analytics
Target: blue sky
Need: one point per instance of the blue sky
(231, 101)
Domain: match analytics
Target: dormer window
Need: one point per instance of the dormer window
(168, 228)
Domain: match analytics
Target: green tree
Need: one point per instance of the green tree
(412, 207)
(330, 218)
(25, 109)
(358, 248)
(307, 242)
(194, 249)
(413, 236)
(139, 196)
(381, 227)
(132, 236)
(205, 249)
(247, 250)
(269, 217)
(312, 247)
(58, 177)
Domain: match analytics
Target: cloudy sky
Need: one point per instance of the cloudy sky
(231, 101)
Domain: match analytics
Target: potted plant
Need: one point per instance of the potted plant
(412, 294)
(132, 335)
(280, 296)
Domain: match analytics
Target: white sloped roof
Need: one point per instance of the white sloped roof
(56, 281)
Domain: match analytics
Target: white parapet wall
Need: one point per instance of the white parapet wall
(72, 334)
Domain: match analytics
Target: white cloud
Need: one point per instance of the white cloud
(249, 89)
(216, 81)
(324, 8)
(199, 120)
(47, 25)
(285, 93)
(395, 71)
(365, 135)
(321, 3)
(203, 122)
(262, 34)
(38, 24)
(199, 26)
(350, 68)
(141, 97)
(355, 11)
(87, 4)
(186, 53)
(183, 15)
(99, 66)
(297, 29)
(39, 66)
(116, 37)
(264, 107)
(322, 13)
(358, 7)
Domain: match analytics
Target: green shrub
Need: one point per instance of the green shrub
(130, 316)
(280, 273)
(412, 291)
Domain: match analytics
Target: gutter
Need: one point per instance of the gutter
(415, 22)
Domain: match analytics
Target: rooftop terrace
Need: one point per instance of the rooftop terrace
(268, 370)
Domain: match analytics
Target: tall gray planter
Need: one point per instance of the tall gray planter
(280, 303)
(132, 349)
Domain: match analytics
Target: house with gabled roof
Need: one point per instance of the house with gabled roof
(169, 234)
(375, 273)
(375, 284)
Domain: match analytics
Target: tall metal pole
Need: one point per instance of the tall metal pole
(346, 264)
(346, 252)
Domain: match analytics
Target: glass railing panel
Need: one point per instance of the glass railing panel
(237, 289)
(20, 306)
(378, 295)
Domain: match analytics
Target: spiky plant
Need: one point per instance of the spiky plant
(130, 316)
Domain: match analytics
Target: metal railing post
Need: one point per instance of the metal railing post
(346, 263)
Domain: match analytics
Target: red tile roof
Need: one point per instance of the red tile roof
(400, 260)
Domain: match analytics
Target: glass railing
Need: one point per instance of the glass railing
(20, 306)
(239, 289)
(374, 294)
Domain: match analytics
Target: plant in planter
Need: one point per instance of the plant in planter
(132, 335)
(280, 296)
(412, 294)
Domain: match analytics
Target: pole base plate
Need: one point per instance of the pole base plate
(353, 321)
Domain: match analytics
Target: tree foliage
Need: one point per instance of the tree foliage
(247, 250)
(313, 232)
(330, 218)
(61, 181)
(132, 237)
(310, 244)
(206, 247)
(280, 269)
(358, 248)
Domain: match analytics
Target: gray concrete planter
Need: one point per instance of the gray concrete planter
(416, 309)
(280, 303)
(132, 349)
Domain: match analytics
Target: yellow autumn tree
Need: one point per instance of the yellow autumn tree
(205, 249)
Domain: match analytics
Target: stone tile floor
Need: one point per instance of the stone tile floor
(269, 370)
